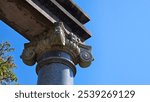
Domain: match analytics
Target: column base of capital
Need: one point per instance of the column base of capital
(60, 60)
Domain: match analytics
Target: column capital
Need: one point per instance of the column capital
(57, 39)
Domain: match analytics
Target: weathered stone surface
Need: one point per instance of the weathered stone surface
(74, 10)
(23, 18)
(34, 17)
(58, 40)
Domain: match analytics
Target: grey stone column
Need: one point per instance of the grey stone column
(56, 53)
(55, 68)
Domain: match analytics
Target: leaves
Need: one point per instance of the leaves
(7, 65)
(4, 49)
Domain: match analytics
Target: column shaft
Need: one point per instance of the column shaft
(55, 68)
(55, 74)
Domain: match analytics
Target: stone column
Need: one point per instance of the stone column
(56, 52)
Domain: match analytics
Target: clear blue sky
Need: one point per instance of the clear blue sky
(120, 40)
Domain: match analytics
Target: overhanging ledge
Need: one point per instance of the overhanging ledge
(36, 19)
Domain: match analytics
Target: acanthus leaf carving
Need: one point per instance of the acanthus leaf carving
(58, 39)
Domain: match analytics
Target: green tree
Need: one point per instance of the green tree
(7, 65)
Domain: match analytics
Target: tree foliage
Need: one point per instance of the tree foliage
(7, 65)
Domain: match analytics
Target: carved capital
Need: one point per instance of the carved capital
(28, 55)
(57, 39)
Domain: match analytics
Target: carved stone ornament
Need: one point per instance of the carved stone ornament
(58, 39)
